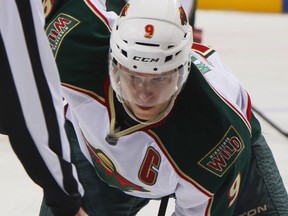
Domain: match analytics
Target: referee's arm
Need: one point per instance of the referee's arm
(31, 112)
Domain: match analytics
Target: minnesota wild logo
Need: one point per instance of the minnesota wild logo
(224, 154)
(108, 172)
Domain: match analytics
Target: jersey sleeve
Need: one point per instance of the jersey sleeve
(31, 111)
(80, 44)
(221, 78)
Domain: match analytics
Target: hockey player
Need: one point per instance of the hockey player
(162, 119)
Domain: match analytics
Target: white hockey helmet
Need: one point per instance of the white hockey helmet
(151, 37)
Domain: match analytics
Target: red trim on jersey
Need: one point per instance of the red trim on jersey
(200, 47)
(249, 108)
(208, 208)
(99, 13)
(106, 88)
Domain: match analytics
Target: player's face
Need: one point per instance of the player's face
(147, 95)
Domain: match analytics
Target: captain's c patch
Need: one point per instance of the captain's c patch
(224, 154)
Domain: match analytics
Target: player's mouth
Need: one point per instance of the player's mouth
(145, 107)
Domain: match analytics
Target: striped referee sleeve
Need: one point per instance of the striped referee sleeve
(31, 111)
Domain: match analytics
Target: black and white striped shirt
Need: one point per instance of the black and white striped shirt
(31, 111)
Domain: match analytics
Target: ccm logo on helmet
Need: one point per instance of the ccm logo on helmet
(145, 59)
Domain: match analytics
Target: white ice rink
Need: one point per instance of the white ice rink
(254, 46)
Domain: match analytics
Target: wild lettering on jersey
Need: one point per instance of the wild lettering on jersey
(224, 154)
(58, 29)
(201, 65)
